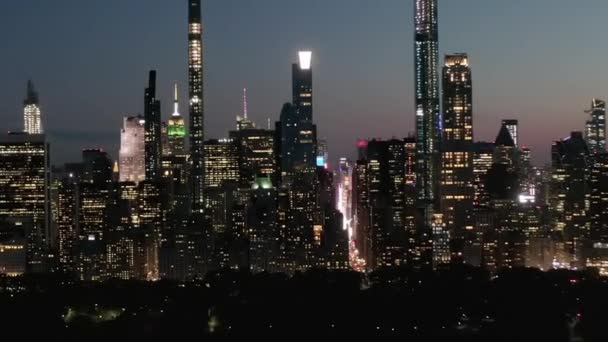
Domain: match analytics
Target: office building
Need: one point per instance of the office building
(457, 190)
(24, 191)
(131, 157)
(595, 128)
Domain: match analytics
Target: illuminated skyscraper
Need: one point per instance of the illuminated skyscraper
(513, 128)
(595, 129)
(67, 219)
(299, 138)
(197, 116)
(302, 85)
(386, 191)
(132, 150)
(505, 149)
(599, 199)
(483, 156)
(152, 127)
(457, 147)
(176, 129)
(93, 199)
(428, 117)
(31, 111)
(570, 193)
(221, 163)
(24, 189)
(256, 153)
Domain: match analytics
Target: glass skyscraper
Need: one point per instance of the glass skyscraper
(428, 117)
(197, 116)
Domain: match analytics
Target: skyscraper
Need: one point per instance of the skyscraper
(428, 118)
(570, 193)
(152, 130)
(32, 121)
(176, 129)
(221, 163)
(302, 85)
(298, 133)
(24, 190)
(598, 209)
(595, 129)
(197, 116)
(513, 128)
(257, 155)
(131, 157)
(457, 146)
(386, 186)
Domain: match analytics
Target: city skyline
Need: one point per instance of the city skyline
(388, 94)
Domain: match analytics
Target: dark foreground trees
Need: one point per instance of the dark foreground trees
(452, 304)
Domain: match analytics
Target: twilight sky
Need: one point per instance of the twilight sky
(539, 61)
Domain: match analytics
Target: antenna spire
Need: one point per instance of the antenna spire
(245, 103)
(175, 101)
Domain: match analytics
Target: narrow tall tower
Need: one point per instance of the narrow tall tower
(197, 114)
(176, 130)
(32, 122)
(302, 85)
(457, 147)
(245, 108)
(428, 118)
(152, 130)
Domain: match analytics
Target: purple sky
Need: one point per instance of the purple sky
(537, 61)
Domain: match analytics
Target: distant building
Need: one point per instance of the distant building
(196, 104)
(428, 125)
(152, 131)
(513, 128)
(24, 190)
(221, 163)
(32, 121)
(132, 150)
(256, 154)
(570, 195)
(176, 130)
(595, 128)
(457, 189)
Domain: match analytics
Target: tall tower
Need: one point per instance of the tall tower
(243, 122)
(197, 114)
(457, 146)
(302, 85)
(176, 130)
(152, 130)
(31, 111)
(595, 129)
(302, 127)
(428, 118)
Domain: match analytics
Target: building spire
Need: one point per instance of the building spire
(32, 96)
(245, 103)
(175, 101)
